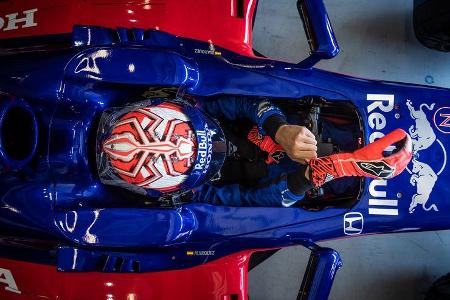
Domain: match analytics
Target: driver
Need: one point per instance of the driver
(251, 157)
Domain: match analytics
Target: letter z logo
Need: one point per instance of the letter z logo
(446, 122)
(441, 119)
(353, 223)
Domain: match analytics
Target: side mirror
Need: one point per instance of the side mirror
(320, 35)
(319, 274)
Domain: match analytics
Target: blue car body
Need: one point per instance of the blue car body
(59, 199)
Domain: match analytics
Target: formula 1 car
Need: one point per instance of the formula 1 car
(65, 235)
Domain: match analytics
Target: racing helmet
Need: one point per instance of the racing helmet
(159, 147)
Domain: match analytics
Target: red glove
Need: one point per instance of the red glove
(265, 143)
(367, 161)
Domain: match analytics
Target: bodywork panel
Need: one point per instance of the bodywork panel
(57, 213)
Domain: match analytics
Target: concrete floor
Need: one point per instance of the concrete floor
(377, 41)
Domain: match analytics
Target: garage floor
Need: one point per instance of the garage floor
(377, 41)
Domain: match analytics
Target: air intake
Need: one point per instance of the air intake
(18, 133)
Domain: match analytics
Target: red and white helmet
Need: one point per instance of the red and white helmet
(152, 147)
(162, 147)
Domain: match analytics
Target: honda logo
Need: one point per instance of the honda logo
(353, 223)
(7, 279)
(18, 20)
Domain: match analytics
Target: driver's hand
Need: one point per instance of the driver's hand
(299, 143)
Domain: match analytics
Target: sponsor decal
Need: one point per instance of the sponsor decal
(328, 177)
(89, 64)
(353, 223)
(379, 104)
(422, 134)
(200, 253)
(378, 203)
(264, 107)
(376, 168)
(207, 52)
(18, 20)
(7, 279)
(441, 119)
(423, 177)
(204, 149)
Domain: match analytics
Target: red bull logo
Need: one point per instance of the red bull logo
(204, 149)
(423, 177)
(380, 103)
(378, 203)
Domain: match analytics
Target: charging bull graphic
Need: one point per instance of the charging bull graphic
(423, 177)
(421, 133)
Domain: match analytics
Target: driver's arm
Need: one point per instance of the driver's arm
(271, 194)
(260, 111)
(298, 142)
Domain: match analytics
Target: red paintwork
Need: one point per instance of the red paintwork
(204, 20)
(214, 280)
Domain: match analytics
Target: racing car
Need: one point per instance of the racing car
(65, 235)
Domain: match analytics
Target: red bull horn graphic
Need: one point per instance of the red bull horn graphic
(423, 177)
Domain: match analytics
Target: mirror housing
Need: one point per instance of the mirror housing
(319, 32)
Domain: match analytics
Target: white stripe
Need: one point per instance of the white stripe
(145, 122)
(248, 21)
(144, 172)
(383, 211)
(386, 202)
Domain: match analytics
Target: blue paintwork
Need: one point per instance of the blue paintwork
(319, 275)
(59, 197)
(80, 94)
(319, 32)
